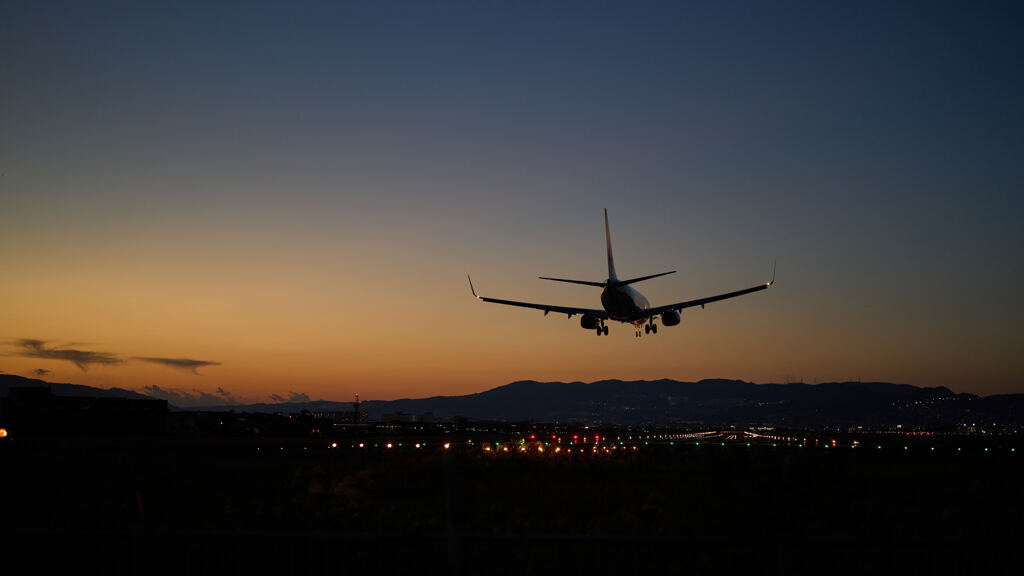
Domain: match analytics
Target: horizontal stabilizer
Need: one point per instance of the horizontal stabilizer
(585, 282)
(632, 280)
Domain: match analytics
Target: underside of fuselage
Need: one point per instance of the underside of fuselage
(623, 303)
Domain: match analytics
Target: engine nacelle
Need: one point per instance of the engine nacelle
(670, 318)
(589, 321)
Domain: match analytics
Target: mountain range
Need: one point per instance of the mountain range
(660, 402)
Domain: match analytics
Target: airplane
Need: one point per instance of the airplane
(621, 302)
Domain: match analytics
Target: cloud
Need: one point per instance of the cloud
(227, 396)
(43, 372)
(180, 363)
(277, 398)
(82, 358)
(189, 398)
(297, 397)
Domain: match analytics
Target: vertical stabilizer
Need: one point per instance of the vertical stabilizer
(608, 241)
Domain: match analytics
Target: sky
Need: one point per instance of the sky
(249, 201)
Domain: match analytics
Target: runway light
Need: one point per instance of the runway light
(361, 445)
(447, 445)
(417, 446)
(389, 445)
(334, 444)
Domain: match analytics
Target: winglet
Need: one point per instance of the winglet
(772, 281)
(471, 289)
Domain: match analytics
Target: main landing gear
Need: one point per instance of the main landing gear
(602, 329)
(649, 328)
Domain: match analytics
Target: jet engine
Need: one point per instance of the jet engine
(589, 321)
(670, 318)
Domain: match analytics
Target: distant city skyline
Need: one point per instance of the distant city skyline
(260, 199)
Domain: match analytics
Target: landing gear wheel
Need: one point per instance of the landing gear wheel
(605, 329)
(647, 328)
(654, 328)
(598, 330)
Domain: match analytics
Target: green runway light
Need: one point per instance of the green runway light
(879, 446)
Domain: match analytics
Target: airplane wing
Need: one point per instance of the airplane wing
(678, 306)
(545, 307)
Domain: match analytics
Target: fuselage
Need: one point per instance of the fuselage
(623, 302)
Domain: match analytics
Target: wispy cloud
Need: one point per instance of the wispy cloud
(82, 358)
(43, 372)
(227, 396)
(189, 398)
(189, 364)
(292, 397)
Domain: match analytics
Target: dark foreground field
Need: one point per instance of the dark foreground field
(247, 506)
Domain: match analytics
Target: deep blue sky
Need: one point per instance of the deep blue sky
(337, 168)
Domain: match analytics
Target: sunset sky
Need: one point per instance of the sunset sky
(258, 200)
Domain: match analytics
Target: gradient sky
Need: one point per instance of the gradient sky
(294, 192)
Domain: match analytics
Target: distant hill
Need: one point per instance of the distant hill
(661, 402)
(708, 402)
(8, 381)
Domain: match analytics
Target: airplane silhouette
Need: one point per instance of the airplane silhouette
(621, 302)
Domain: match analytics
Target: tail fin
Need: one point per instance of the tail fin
(612, 277)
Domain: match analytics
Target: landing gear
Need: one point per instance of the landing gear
(649, 328)
(602, 330)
